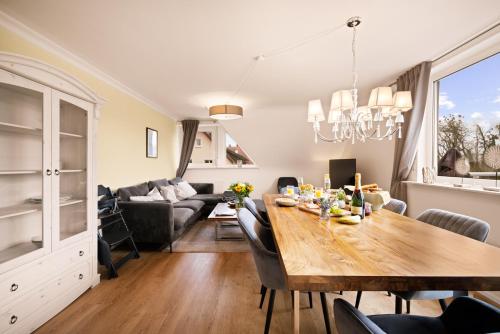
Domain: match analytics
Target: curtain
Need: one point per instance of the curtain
(415, 80)
(190, 128)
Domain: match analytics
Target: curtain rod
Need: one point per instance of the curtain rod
(476, 36)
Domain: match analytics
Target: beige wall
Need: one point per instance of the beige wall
(121, 146)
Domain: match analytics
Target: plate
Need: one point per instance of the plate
(349, 220)
(286, 202)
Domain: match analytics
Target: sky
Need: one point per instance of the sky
(473, 92)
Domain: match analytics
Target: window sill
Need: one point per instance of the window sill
(223, 167)
(473, 189)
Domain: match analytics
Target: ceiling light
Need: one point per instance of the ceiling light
(224, 112)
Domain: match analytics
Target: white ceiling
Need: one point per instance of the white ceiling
(185, 55)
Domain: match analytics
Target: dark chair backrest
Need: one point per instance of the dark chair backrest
(469, 315)
(467, 226)
(252, 207)
(267, 262)
(395, 205)
(349, 320)
(287, 181)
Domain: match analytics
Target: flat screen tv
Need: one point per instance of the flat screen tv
(342, 172)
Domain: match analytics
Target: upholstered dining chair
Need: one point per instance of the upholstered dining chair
(470, 227)
(252, 207)
(287, 181)
(267, 263)
(396, 206)
(464, 315)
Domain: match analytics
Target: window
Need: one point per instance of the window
(235, 154)
(468, 119)
(204, 148)
(214, 147)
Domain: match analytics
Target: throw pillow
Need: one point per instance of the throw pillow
(155, 195)
(141, 199)
(184, 190)
(168, 193)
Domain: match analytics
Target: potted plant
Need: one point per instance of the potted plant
(241, 190)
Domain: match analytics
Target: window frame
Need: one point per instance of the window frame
(219, 135)
(482, 49)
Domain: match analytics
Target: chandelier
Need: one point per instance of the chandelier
(352, 122)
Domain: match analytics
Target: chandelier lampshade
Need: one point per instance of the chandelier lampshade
(402, 100)
(225, 112)
(380, 97)
(342, 100)
(315, 111)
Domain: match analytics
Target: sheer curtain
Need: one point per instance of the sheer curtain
(190, 128)
(415, 80)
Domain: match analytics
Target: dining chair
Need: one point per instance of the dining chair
(396, 206)
(267, 262)
(470, 227)
(252, 207)
(287, 181)
(464, 315)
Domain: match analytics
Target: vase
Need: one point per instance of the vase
(239, 202)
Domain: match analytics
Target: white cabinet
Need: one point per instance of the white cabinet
(48, 228)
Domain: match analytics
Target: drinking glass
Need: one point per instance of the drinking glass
(290, 190)
(318, 192)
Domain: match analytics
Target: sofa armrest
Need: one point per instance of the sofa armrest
(203, 188)
(151, 222)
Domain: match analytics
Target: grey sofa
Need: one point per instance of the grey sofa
(162, 222)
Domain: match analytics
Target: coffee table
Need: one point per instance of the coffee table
(226, 226)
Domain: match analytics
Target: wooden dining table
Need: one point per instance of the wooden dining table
(385, 252)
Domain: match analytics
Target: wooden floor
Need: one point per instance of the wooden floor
(197, 293)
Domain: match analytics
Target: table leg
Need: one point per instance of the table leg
(295, 311)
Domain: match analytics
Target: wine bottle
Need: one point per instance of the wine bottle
(327, 184)
(358, 199)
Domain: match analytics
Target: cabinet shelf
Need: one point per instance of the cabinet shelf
(72, 170)
(70, 135)
(18, 210)
(18, 128)
(19, 172)
(71, 202)
(18, 250)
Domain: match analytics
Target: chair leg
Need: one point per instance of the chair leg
(389, 294)
(443, 305)
(269, 311)
(341, 292)
(358, 298)
(170, 247)
(263, 291)
(399, 305)
(134, 247)
(324, 305)
(310, 299)
(408, 306)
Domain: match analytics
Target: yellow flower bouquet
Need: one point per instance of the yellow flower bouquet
(241, 190)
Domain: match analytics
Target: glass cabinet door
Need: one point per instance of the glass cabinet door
(24, 170)
(71, 183)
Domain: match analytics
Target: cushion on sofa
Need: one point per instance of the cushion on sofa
(210, 199)
(183, 190)
(168, 193)
(192, 204)
(158, 183)
(137, 190)
(181, 216)
(175, 181)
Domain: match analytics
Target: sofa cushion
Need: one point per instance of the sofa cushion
(181, 216)
(168, 193)
(175, 181)
(183, 190)
(137, 190)
(210, 199)
(158, 183)
(192, 204)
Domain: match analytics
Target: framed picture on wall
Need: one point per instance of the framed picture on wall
(151, 143)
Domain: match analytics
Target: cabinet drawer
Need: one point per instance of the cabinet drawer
(15, 315)
(15, 283)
